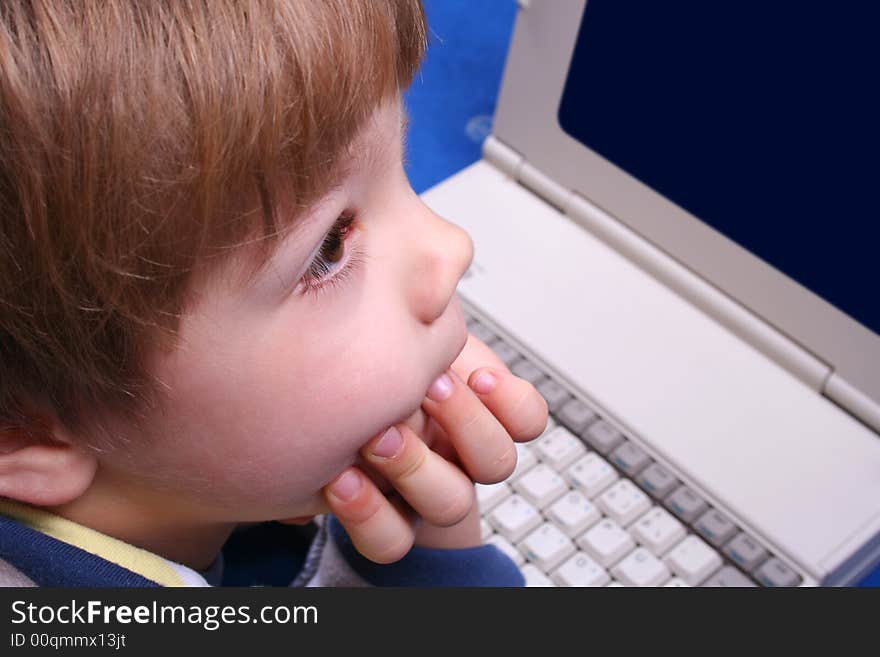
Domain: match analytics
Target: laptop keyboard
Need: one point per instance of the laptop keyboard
(586, 506)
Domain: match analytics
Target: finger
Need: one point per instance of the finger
(380, 531)
(376, 477)
(515, 402)
(428, 431)
(480, 440)
(476, 354)
(435, 488)
(464, 534)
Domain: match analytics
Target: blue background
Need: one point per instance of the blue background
(453, 97)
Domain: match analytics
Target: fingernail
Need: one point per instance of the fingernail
(484, 382)
(389, 444)
(347, 486)
(441, 388)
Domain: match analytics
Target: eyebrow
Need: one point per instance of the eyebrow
(372, 154)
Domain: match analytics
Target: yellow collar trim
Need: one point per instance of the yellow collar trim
(135, 559)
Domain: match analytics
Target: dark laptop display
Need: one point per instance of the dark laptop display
(760, 119)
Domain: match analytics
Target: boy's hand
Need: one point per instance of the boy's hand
(470, 434)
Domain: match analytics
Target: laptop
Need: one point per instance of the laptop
(673, 241)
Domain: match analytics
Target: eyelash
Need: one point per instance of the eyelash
(315, 279)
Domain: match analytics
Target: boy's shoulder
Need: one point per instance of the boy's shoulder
(268, 554)
(62, 554)
(38, 548)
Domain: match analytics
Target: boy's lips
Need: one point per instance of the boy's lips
(460, 345)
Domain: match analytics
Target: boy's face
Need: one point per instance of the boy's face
(273, 390)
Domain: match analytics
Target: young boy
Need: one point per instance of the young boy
(217, 292)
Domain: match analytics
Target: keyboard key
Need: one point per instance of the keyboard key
(602, 436)
(485, 530)
(591, 474)
(554, 394)
(580, 570)
(541, 485)
(729, 577)
(490, 495)
(607, 542)
(686, 504)
(776, 573)
(559, 448)
(676, 583)
(715, 527)
(574, 513)
(630, 458)
(508, 354)
(504, 545)
(641, 568)
(624, 502)
(526, 369)
(746, 552)
(525, 461)
(546, 547)
(535, 577)
(657, 480)
(693, 560)
(658, 530)
(576, 415)
(514, 518)
(481, 331)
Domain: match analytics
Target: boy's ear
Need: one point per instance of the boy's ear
(44, 468)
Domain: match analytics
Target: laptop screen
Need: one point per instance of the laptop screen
(760, 119)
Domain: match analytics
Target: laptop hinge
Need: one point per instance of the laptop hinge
(856, 402)
(502, 156)
(768, 340)
(514, 165)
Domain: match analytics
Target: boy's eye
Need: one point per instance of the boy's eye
(321, 271)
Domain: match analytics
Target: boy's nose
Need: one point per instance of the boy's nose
(443, 253)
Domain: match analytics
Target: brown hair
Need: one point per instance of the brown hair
(140, 138)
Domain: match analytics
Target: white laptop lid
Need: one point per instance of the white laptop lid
(741, 145)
